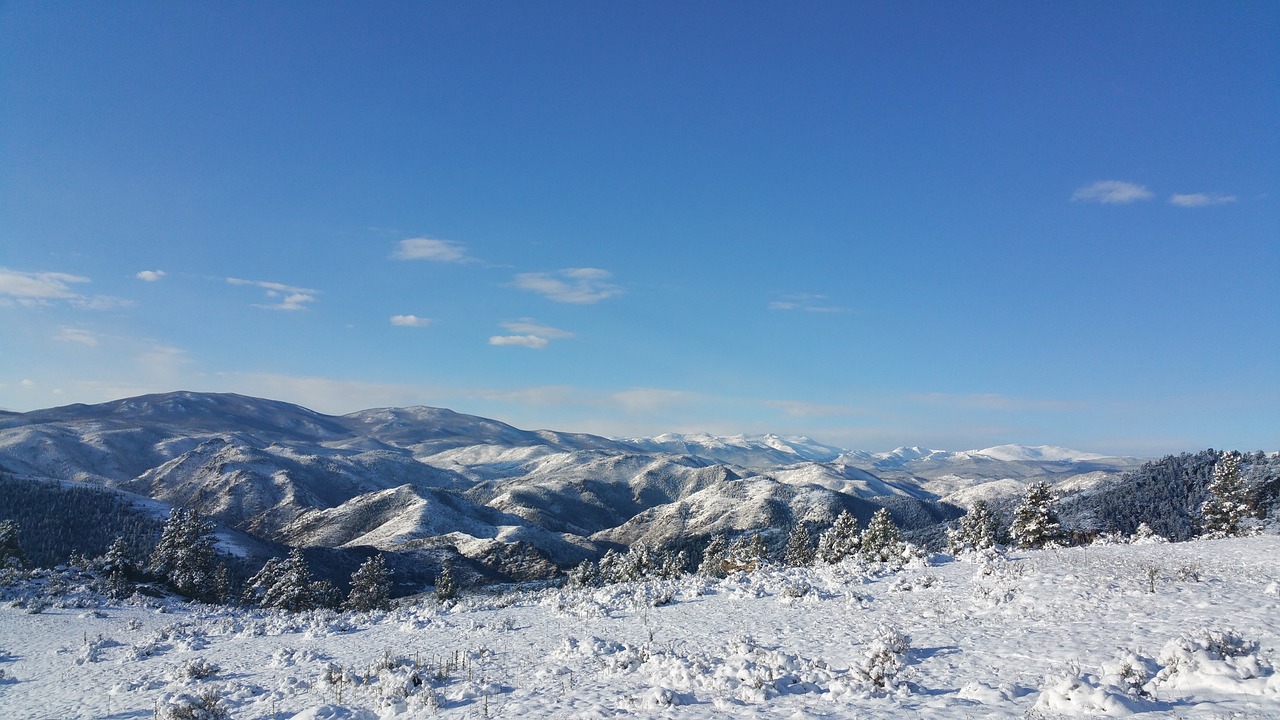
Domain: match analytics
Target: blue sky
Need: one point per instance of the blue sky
(876, 224)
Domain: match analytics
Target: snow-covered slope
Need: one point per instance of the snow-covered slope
(394, 477)
(1189, 630)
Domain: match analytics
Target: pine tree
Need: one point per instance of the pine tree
(881, 542)
(370, 586)
(840, 540)
(713, 557)
(799, 547)
(979, 529)
(1035, 522)
(446, 587)
(1227, 505)
(282, 584)
(185, 555)
(584, 575)
(612, 567)
(11, 554)
(118, 569)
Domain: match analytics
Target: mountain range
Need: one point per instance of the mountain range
(422, 478)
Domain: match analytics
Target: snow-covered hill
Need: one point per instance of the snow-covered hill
(397, 477)
(1161, 631)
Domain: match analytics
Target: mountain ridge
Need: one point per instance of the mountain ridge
(421, 476)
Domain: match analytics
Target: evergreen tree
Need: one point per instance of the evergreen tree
(11, 554)
(979, 529)
(612, 567)
(185, 556)
(118, 569)
(446, 587)
(799, 547)
(840, 540)
(584, 575)
(282, 584)
(1035, 522)
(1227, 505)
(881, 542)
(713, 557)
(255, 591)
(370, 586)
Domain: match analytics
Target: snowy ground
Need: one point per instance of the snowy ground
(1062, 632)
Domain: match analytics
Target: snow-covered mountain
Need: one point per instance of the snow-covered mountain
(397, 478)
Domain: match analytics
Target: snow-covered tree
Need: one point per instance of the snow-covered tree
(446, 586)
(713, 557)
(370, 586)
(118, 568)
(840, 540)
(584, 575)
(283, 584)
(979, 529)
(744, 554)
(613, 567)
(881, 542)
(1035, 522)
(11, 553)
(185, 556)
(1227, 505)
(799, 547)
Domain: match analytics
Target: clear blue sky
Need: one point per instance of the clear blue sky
(947, 224)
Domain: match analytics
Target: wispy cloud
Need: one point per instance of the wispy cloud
(42, 288)
(993, 401)
(528, 326)
(529, 333)
(33, 287)
(580, 286)
(150, 275)
(648, 400)
(802, 409)
(1112, 192)
(1192, 200)
(78, 335)
(422, 248)
(289, 297)
(806, 302)
(410, 321)
(529, 341)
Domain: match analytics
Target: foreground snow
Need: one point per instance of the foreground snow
(1062, 632)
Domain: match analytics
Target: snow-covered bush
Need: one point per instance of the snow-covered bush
(883, 661)
(207, 705)
(1222, 660)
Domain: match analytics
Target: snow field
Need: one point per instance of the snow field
(1187, 630)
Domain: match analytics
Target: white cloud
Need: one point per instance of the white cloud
(290, 297)
(31, 287)
(529, 326)
(529, 333)
(78, 335)
(150, 275)
(1201, 199)
(1112, 192)
(422, 248)
(580, 286)
(529, 341)
(806, 303)
(410, 321)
